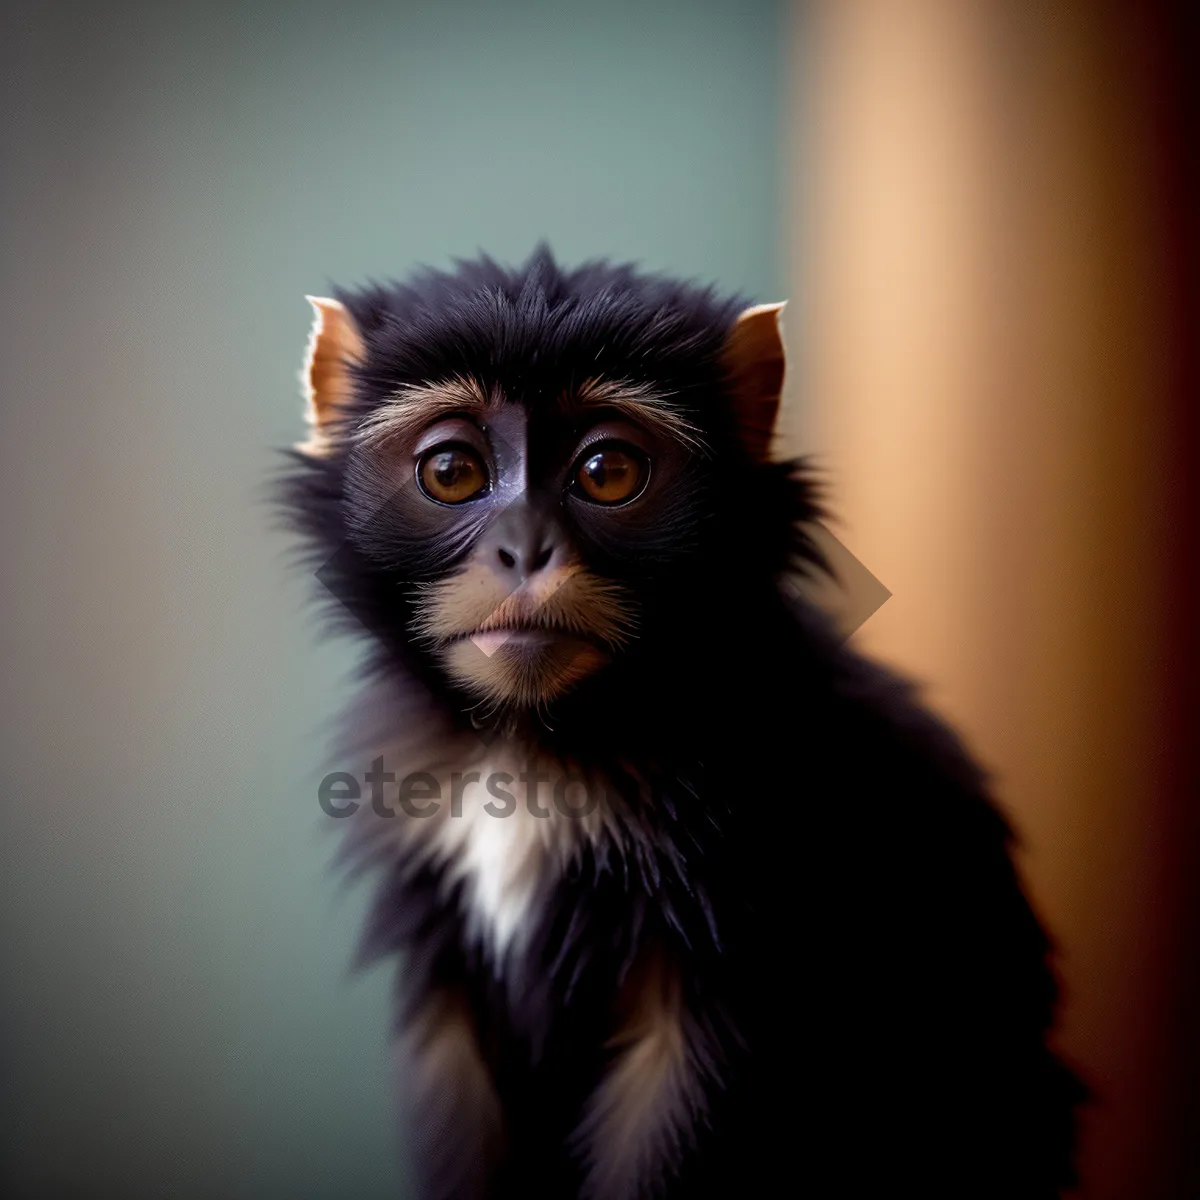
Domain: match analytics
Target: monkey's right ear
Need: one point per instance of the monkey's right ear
(754, 360)
(335, 346)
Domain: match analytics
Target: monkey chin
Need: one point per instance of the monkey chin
(521, 668)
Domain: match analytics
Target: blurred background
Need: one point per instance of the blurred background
(983, 215)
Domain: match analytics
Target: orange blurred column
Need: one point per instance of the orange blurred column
(987, 330)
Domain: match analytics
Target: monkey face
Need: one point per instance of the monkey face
(514, 471)
(528, 530)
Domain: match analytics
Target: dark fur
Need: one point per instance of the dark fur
(862, 972)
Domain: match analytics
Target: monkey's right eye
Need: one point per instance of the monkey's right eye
(451, 474)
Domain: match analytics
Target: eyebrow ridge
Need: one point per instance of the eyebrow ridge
(413, 405)
(641, 402)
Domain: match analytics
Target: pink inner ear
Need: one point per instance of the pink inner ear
(754, 361)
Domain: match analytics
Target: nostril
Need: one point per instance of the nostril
(507, 559)
(541, 558)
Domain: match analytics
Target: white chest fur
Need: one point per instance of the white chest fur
(505, 837)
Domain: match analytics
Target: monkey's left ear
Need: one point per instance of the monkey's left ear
(753, 358)
(335, 346)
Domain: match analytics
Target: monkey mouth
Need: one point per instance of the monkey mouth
(528, 647)
(522, 665)
(527, 638)
(539, 620)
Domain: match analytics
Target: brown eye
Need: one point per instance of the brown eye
(612, 474)
(451, 474)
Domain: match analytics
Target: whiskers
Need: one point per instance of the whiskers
(567, 600)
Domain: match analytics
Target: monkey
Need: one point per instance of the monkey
(685, 897)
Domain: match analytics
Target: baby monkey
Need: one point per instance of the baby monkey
(687, 899)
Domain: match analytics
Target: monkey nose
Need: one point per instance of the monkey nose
(524, 560)
(526, 539)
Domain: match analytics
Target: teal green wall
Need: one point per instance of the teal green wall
(177, 1017)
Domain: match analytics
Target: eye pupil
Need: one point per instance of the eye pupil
(448, 469)
(608, 471)
(611, 475)
(452, 475)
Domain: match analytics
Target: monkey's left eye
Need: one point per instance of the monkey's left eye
(613, 473)
(451, 474)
